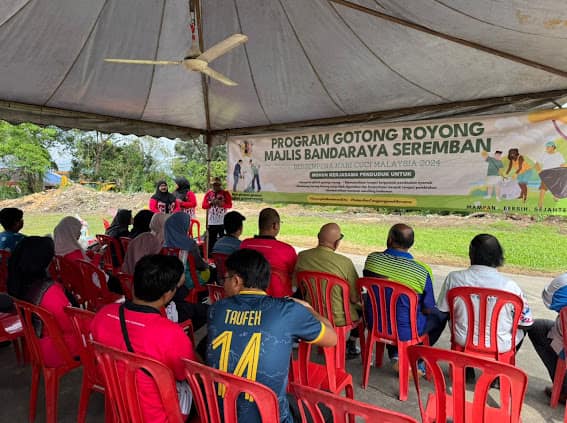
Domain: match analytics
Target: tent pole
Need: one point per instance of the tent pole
(208, 141)
(471, 44)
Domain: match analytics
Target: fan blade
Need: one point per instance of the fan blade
(223, 47)
(144, 62)
(218, 76)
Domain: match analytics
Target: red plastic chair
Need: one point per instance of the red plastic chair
(216, 292)
(95, 288)
(4, 257)
(561, 368)
(124, 242)
(105, 224)
(487, 316)
(71, 278)
(385, 329)
(329, 376)
(92, 379)
(318, 288)
(120, 374)
(11, 330)
(126, 283)
(29, 314)
(442, 406)
(341, 408)
(219, 260)
(112, 245)
(193, 296)
(206, 383)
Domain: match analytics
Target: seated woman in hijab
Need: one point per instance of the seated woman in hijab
(186, 198)
(143, 245)
(157, 226)
(163, 201)
(66, 236)
(141, 223)
(28, 280)
(120, 224)
(176, 228)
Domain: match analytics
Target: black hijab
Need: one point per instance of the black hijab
(120, 223)
(141, 223)
(164, 197)
(28, 277)
(183, 187)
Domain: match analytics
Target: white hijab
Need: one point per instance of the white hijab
(66, 235)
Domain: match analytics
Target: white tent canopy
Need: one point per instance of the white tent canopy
(307, 62)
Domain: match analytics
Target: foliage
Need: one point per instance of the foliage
(192, 163)
(24, 152)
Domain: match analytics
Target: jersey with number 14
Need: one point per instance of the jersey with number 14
(251, 335)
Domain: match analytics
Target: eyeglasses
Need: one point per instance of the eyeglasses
(341, 237)
(224, 278)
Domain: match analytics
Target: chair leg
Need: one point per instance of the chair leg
(557, 382)
(84, 400)
(51, 395)
(403, 374)
(366, 358)
(349, 391)
(33, 393)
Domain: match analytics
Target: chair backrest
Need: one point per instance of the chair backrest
(207, 384)
(95, 288)
(383, 296)
(219, 260)
(72, 279)
(113, 246)
(304, 363)
(341, 408)
(317, 287)
(82, 320)
(4, 257)
(513, 383)
(121, 370)
(488, 304)
(216, 292)
(125, 242)
(170, 251)
(126, 283)
(563, 314)
(36, 322)
(195, 229)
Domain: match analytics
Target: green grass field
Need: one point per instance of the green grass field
(537, 247)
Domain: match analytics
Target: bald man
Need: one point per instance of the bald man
(324, 258)
(397, 264)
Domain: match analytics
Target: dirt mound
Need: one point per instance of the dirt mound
(77, 199)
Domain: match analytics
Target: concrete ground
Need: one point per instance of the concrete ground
(382, 389)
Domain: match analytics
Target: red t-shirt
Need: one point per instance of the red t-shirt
(54, 300)
(152, 335)
(282, 258)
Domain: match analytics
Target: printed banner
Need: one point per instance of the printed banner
(507, 163)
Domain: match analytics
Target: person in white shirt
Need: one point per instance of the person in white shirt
(550, 159)
(486, 255)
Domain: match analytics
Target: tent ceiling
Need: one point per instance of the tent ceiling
(318, 61)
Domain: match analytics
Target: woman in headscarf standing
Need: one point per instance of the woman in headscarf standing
(66, 236)
(163, 201)
(187, 200)
(29, 280)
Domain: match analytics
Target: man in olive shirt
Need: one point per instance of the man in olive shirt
(324, 258)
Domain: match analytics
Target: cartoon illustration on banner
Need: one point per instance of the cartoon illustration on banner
(505, 163)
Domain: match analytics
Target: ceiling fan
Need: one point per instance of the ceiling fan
(194, 60)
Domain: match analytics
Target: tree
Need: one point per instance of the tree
(192, 162)
(24, 152)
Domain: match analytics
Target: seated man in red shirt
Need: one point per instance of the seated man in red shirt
(156, 278)
(281, 256)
